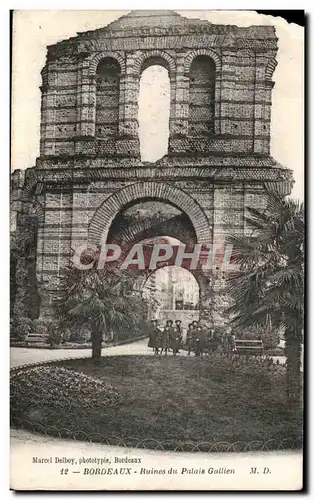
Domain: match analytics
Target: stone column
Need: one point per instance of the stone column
(218, 86)
(128, 144)
(48, 108)
(86, 101)
(128, 107)
(179, 106)
(262, 107)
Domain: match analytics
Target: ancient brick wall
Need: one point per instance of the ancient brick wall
(228, 67)
(218, 160)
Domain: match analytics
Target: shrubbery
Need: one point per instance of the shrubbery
(20, 327)
(269, 336)
(40, 327)
(57, 388)
(271, 339)
(80, 334)
(54, 337)
(50, 329)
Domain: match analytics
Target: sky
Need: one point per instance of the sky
(34, 30)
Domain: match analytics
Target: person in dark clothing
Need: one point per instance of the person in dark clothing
(159, 341)
(207, 343)
(199, 341)
(195, 325)
(165, 338)
(178, 329)
(173, 340)
(153, 335)
(190, 336)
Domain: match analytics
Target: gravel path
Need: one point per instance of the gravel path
(22, 356)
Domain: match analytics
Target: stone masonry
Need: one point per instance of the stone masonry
(89, 169)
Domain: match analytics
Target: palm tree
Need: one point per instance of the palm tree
(268, 288)
(100, 299)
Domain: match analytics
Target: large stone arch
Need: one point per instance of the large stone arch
(178, 226)
(154, 54)
(95, 60)
(201, 52)
(105, 214)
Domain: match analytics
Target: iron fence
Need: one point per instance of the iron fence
(292, 443)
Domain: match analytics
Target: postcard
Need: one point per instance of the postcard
(157, 251)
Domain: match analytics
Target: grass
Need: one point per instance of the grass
(183, 399)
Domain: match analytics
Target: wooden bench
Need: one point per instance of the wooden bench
(246, 346)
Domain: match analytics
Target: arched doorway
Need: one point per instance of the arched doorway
(156, 191)
(150, 210)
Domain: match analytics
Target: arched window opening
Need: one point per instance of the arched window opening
(202, 97)
(107, 98)
(154, 111)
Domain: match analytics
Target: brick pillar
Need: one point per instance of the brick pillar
(128, 111)
(218, 87)
(204, 279)
(262, 112)
(54, 243)
(48, 100)
(130, 105)
(122, 129)
(179, 106)
(86, 101)
(221, 300)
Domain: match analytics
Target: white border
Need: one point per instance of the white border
(4, 220)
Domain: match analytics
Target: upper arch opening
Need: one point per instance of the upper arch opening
(154, 109)
(154, 61)
(107, 98)
(202, 78)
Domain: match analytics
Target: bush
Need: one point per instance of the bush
(66, 334)
(21, 327)
(270, 338)
(80, 334)
(54, 337)
(48, 328)
(57, 388)
(54, 332)
(40, 327)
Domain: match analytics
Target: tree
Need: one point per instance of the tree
(99, 299)
(268, 288)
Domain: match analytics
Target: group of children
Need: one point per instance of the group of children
(171, 338)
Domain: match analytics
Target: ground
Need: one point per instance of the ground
(20, 355)
(173, 400)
